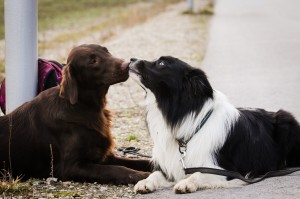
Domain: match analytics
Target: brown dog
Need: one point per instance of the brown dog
(66, 130)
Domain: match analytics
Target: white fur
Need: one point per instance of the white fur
(150, 184)
(200, 149)
(204, 181)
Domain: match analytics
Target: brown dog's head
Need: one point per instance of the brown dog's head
(91, 67)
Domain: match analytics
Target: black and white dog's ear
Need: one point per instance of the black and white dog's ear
(198, 83)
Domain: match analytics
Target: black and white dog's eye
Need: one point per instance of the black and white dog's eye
(161, 63)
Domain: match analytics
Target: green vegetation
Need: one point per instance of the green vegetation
(9, 186)
(64, 194)
(14, 187)
(1, 67)
(208, 10)
(65, 13)
(131, 138)
(1, 19)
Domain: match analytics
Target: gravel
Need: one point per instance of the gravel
(169, 33)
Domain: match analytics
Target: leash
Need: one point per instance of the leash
(182, 143)
(231, 174)
(132, 151)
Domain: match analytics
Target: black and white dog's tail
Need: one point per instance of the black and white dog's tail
(287, 135)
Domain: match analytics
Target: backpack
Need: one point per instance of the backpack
(49, 75)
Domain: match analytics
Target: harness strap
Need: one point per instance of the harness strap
(233, 174)
(182, 143)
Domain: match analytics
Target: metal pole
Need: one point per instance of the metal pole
(21, 51)
(190, 4)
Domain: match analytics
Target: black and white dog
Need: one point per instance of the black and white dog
(179, 99)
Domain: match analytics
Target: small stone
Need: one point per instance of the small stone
(51, 187)
(51, 181)
(103, 189)
(67, 183)
(39, 183)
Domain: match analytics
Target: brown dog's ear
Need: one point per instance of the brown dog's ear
(68, 86)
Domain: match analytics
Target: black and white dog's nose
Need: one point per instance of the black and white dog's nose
(133, 59)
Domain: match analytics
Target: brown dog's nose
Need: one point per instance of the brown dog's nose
(125, 66)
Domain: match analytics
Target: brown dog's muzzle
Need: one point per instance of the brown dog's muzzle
(120, 74)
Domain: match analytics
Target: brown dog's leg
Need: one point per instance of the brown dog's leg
(136, 164)
(104, 174)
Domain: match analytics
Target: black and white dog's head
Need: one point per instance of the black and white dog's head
(179, 88)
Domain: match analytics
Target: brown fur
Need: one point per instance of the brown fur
(73, 119)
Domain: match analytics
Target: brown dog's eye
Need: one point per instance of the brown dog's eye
(93, 59)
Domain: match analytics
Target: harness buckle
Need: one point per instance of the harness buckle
(182, 150)
(182, 161)
(182, 147)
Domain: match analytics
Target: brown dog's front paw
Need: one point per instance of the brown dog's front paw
(132, 177)
(136, 177)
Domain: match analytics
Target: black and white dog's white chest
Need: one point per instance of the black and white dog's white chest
(200, 149)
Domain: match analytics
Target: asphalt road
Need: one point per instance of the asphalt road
(253, 53)
(253, 57)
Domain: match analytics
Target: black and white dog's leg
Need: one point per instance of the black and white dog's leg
(154, 181)
(198, 181)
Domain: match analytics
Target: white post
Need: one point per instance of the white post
(190, 4)
(21, 52)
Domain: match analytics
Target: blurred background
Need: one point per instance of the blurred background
(64, 23)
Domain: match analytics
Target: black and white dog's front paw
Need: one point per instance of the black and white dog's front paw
(154, 181)
(186, 186)
(198, 181)
(145, 186)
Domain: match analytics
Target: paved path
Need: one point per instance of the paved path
(253, 57)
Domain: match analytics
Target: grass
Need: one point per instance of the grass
(65, 13)
(2, 66)
(132, 137)
(206, 10)
(116, 17)
(10, 186)
(14, 187)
